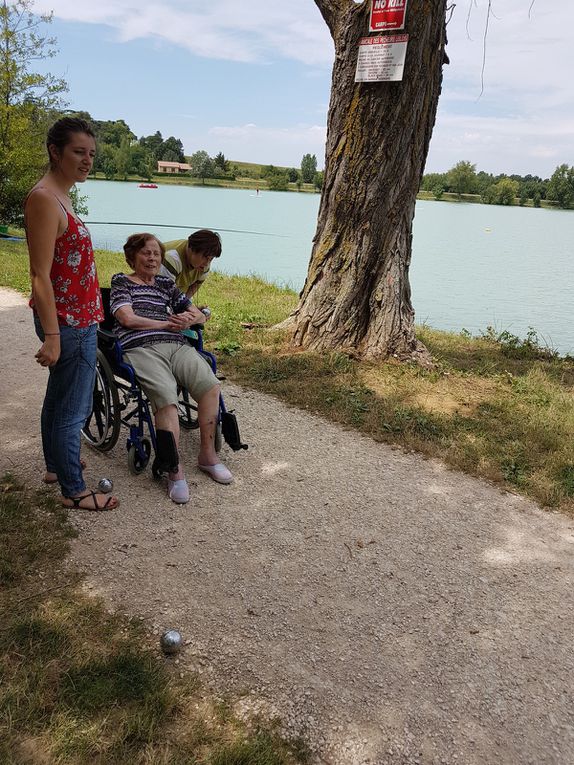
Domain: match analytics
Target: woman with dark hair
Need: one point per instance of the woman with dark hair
(67, 308)
(150, 315)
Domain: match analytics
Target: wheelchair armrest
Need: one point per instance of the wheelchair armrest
(106, 338)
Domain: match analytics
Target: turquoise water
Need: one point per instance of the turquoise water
(473, 265)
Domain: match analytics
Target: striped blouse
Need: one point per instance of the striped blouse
(152, 301)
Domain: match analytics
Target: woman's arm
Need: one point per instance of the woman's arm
(192, 289)
(181, 305)
(130, 320)
(44, 223)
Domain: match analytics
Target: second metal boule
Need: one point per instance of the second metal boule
(105, 485)
(171, 642)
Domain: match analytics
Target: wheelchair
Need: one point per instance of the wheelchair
(119, 401)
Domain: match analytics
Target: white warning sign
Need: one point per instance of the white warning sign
(381, 59)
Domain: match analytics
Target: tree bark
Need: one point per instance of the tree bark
(357, 295)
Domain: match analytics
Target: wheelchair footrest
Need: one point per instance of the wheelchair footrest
(166, 454)
(230, 430)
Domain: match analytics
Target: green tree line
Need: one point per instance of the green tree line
(279, 178)
(503, 189)
(120, 153)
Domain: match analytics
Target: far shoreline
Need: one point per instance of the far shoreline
(251, 184)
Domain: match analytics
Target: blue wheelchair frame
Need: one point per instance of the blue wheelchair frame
(115, 377)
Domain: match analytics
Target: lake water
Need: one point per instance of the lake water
(473, 265)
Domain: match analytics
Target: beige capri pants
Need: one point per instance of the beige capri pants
(162, 366)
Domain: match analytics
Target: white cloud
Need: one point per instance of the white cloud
(502, 144)
(526, 58)
(523, 120)
(525, 114)
(223, 29)
(260, 144)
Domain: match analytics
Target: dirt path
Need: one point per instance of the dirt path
(388, 609)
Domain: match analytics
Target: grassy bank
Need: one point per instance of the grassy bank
(81, 686)
(498, 407)
(449, 196)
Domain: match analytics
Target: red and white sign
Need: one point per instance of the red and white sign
(381, 59)
(387, 14)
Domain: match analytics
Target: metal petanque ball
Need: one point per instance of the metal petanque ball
(171, 642)
(105, 485)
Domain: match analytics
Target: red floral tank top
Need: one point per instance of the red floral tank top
(74, 278)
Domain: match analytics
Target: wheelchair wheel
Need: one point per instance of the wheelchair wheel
(102, 428)
(137, 464)
(187, 411)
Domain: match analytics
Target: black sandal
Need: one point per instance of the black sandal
(97, 508)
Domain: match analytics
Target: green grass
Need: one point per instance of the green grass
(496, 406)
(14, 266)
(80, 685)
(507, 419)
(253, 168)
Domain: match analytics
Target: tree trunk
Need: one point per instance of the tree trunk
(357, 295)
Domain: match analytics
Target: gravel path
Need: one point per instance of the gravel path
(386, 608)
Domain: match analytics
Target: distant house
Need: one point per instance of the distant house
(173, 167)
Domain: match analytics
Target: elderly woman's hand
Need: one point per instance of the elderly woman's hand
(195, 315)
(179, 321)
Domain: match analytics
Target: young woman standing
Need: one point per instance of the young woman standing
(67, 308)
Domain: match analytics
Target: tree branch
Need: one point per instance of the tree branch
(330, 9)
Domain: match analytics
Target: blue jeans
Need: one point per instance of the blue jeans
(68, 403)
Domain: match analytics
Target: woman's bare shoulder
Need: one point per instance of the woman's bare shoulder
(44, 212)
(40, 199)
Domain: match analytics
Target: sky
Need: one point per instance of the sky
(252, 78)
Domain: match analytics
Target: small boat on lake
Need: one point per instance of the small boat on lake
(147, 186)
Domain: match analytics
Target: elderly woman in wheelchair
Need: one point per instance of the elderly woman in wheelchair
(150, 313)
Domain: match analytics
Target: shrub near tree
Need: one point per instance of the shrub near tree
(502, 193)
(278, 181)
(277, 178)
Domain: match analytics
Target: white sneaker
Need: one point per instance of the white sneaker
(178, 491)
(218, 472)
